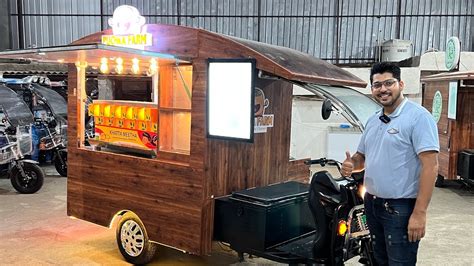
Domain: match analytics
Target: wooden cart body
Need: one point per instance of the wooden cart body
(456, 134)
(173, 194)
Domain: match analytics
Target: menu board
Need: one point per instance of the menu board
(127, 124)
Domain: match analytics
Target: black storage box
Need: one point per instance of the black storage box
(260, 218)
(466, 164)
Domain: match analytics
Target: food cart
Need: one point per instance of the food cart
(450, 98)
(213, 117)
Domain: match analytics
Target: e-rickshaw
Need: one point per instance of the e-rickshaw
(209, 117)
(15, 143)
(50, 111)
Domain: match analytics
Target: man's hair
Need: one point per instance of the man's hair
(384, 67)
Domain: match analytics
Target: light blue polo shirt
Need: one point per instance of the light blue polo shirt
(392, 166)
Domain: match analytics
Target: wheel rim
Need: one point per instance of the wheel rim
(131, 236)
(29, 179)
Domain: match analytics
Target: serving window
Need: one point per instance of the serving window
(141, 115)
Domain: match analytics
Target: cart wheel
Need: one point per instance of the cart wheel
(132, 240)
(31, 182)
(61, 167)
(439, 181)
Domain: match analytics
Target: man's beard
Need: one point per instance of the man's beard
(395, 98)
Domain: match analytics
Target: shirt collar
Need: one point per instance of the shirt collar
(398, 110)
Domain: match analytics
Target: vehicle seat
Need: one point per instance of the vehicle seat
(324, 179)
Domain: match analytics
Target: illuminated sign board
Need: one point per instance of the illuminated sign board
(128, 29)
(127, 40)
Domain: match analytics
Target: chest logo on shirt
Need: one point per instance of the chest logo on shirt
(393, 131)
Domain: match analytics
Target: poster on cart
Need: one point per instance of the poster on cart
(262, 120)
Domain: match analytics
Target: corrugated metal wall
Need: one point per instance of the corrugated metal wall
(342, 31)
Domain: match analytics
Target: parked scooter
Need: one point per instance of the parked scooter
(15, 142)
(52, 143)
(339, 215)
(50, 111)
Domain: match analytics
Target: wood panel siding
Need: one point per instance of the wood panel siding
(430, 89)
(454, 134)
(234, 165)
(199, 148)
(462, 132)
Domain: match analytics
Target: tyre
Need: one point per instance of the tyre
(61, 167)
(132, 240)
(31, 182)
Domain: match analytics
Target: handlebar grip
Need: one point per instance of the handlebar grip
(315, 161)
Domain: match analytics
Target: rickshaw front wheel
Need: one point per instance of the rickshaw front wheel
(132, 240)
(61, 163)
(30, 182)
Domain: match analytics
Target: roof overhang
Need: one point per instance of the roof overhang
(90, 53)
(458, 75)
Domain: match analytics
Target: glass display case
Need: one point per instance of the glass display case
(161, 121)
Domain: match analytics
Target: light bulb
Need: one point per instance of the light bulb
(104, 68)
(135, 66)
(153, 67)
(119, 66)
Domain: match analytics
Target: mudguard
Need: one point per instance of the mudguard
(23, 161)
(28, 161)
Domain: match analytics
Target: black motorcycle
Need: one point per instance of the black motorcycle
(339, 215)
(322, 223)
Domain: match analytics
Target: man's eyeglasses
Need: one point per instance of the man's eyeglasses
(387, 83)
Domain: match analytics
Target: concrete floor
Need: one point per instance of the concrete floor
(34, 230)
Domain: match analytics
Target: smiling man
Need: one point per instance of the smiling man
(399, 152)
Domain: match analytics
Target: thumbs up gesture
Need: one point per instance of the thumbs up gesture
(347, 166)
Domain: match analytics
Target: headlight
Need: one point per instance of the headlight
(362, 191)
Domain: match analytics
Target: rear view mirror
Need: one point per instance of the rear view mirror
(326, 109)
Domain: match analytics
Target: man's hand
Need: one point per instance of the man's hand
(347, 166)
(416, 226)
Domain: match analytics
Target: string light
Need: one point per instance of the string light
(153, 67)
(104, 68)
(135, 66)
(119, 65)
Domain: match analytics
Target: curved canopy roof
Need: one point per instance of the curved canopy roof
(172, 42)
(14, 108)
(188, 43)
(302, 67)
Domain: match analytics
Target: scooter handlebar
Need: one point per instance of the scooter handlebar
(322, 161)
(315, 161)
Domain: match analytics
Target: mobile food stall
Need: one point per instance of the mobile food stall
(209, 114)
(450, 98)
